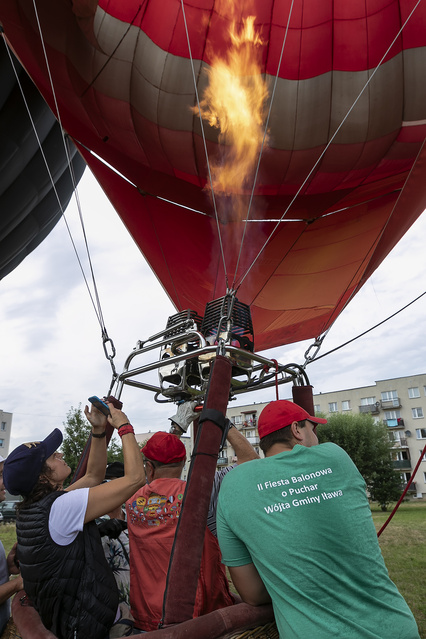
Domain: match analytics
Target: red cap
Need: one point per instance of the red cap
(165, 448)
(282, 413)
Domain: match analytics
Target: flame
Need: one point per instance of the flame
(235, 103)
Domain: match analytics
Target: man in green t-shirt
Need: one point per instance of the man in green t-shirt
(295, 528)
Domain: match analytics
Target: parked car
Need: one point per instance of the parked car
(1, 518)
(8, 511)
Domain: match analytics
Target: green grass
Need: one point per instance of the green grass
(404, 551)
(402, 544)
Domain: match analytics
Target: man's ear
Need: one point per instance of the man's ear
(296, 431)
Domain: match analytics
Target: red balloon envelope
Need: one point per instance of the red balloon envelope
(123, 74)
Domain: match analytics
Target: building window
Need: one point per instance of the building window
(424, 477)
(3, 426)
(332, 407)
(413, 392)
(421, 433)
(367, 401)
(317, 408)
(417, 413)
(346, 405)
(392, 414)
(420, 455)
(249, 433)
(1, 443)
(238, 419)
(390, 396)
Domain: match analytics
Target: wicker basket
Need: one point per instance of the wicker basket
(269, 631)
(11, 631)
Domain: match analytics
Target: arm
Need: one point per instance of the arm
(14, 585)
(243, 449)
(10, 588)
(104, 498)
(97, 460)
(247, 581)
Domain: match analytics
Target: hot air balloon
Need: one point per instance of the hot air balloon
(35, 178)
(338, 184)
(338, 173)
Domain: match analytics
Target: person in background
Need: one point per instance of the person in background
(65, 573)
(152, 516)
(112, 528)
(244, 452)
(8, 567)
(296, 529)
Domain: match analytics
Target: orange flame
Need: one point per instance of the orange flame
(235, 103)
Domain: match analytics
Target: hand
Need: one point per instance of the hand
(117, 417)
(12, 567)
(97, 419)
(18, 582)
(185, 415)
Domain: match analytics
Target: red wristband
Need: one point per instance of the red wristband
(125, 429)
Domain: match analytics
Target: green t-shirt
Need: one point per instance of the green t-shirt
(302, 518)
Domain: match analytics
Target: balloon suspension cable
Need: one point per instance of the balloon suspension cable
(222, 252)
(355, 102)
(97, 307)
(263, 141)
(372, 328)
(316, 345)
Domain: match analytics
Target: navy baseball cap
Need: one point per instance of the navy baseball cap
(23, 466)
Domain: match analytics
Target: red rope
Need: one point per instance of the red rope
(403, 494)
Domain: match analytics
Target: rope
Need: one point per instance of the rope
(315, 359)
(97, 307)
(327, 146)
(404, 493)
(263, 141)
(205, 146)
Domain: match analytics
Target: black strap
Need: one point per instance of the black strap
(215, 416)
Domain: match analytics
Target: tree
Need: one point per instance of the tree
(77, 431)
(368, 445)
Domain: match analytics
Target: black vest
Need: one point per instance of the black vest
(72, 587)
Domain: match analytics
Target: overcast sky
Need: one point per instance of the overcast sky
(51, 350)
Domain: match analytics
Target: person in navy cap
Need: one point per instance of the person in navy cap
(64, 570)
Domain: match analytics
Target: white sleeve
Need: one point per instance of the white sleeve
(67, 514)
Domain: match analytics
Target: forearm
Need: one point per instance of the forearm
(250, 586)
(133, 462)
(10, 588)
(96, 462)
(243, 449)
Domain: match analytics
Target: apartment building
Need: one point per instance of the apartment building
(399, 402)
(5, 428)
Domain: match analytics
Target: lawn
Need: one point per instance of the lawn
(403, 548)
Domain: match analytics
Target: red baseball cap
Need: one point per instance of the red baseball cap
(165, 448)
(282, 413)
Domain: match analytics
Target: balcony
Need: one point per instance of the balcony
(222, 461)
(253, 440)
(374, 409)
(394, 423)
(412, 489)
(395, 402)
(400, 443)
(402, 464)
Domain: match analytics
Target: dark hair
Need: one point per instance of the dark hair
(280, 436)
(42, 488)
(158, 464)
